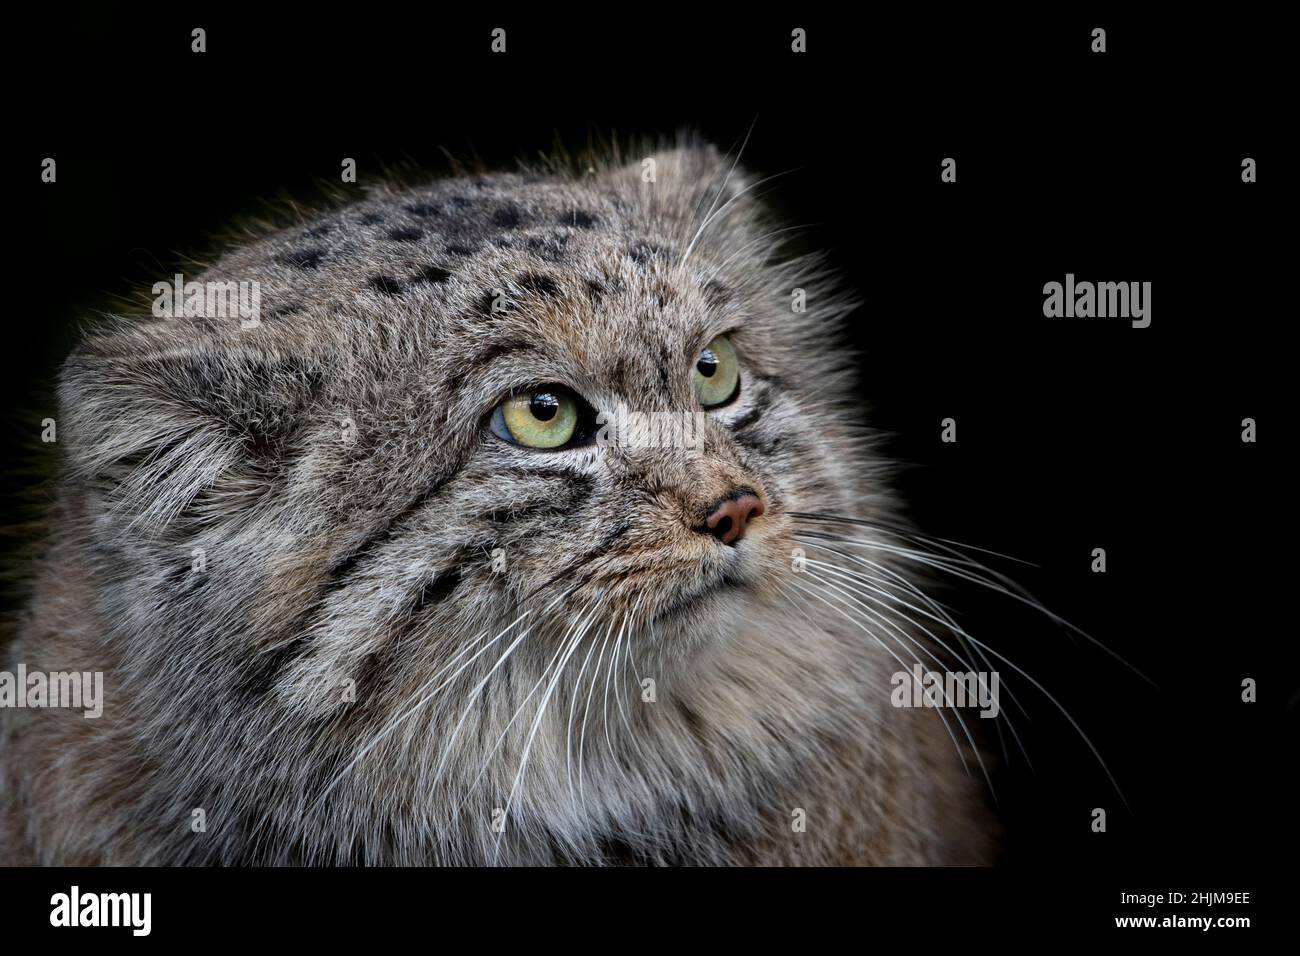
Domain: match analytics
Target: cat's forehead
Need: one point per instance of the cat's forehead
(495, 263)
(396, 247)
(607, 320)
(480, 246)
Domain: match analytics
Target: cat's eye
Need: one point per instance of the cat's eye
(717, 373)
(546, 417)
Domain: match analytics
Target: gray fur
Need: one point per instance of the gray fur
(372, 561)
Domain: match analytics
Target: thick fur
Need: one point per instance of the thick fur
(333, 686)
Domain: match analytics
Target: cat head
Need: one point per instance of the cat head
(469, 430)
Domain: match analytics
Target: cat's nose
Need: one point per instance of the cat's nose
(727, 518)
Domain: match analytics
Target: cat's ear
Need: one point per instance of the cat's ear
(690, 183)
(160, 424)
(694, 169)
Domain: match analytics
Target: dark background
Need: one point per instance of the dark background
(1124, 166)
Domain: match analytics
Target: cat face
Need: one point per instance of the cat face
(480, 430)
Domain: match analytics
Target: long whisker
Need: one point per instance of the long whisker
(966, 569)
(808, 591)
(961, 721)
(609, 674)
(397, 721)
(497, 746)
(721, 189)
(756, 242)
(582, 733)
(575, 696)
(941, 618)
(866, 587)
(919, 557)
(532, 734)
(723, 208)
(623, 669)
(857, 582)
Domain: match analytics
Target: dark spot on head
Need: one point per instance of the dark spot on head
(548, 507)
(373, 672)
(716, 294)
(433, 591)
(693, 720)
(183, 576)
(756, 443)
(595, 290)
(433, 274)
(423, 209)
(538, 284)
(642, 251)
(508, 216)
(386, 285)
(614, 533)
(371, 219)
(579, 219)
(494, 351)
(549, 246)
(324, 229)
(262, 670)
(621, 373)
(753, 415)
(287, 308)
(485, 300)
(258, 443)
(612, 281)
(303, 258)
(461, 202)
(460, 249)
(406, 234)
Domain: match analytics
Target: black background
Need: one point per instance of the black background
(1123, 166)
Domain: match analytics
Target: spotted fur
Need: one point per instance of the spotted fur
(362, 528)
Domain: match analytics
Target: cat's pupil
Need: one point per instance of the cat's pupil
(544, 406)
(707, 363)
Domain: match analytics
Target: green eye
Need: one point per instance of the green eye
(545, 418)
(717, 373)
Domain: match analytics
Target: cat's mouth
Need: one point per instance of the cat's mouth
(685, 604)
(732, 577)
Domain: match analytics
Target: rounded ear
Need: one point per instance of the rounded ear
(695, 167)
(699, 193)
(157, 425)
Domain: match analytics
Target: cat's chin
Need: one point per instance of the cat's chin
(699, 601)
(706, 621)
(716, 607)
(707, 614)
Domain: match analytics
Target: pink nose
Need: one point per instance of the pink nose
(727, 521)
